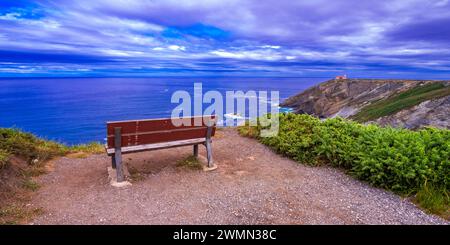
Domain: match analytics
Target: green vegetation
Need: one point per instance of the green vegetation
(29, 147)
(35, 150)
(30, 184)
(135, 174)
(190, 162)
(436, 200)
(4, 158)
(84, 150)
(12, 214)
(406, 162)
(401, 101)
(90, 148)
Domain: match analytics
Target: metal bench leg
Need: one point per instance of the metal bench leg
(195, 151)
(118, 154)
(209, 153)
(119, 170)
(113, 161)
(208, 145)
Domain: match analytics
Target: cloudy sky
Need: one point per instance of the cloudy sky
(396, 38)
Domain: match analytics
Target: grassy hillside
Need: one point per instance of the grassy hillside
(23, 156)
(398, 102)
(411, 163)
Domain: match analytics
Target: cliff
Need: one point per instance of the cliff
(400, 103)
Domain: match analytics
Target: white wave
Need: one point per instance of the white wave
(234, 116)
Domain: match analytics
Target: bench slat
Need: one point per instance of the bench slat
(159, 137)
(146, 147)
(142, 132)
(137, 126)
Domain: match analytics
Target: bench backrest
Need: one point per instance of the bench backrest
(141, 132)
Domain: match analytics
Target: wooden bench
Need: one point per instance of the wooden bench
(143, 135)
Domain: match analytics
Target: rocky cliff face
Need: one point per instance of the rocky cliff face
(435, 112)
(347, 97)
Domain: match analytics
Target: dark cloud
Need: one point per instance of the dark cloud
(236, 36)
(428, 30)
(41, 57)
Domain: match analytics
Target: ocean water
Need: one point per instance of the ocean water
(74, 110)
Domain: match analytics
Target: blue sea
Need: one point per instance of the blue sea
(74, 110)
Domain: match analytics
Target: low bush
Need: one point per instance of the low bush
(400, 160)
(28, 146)
(36, 150)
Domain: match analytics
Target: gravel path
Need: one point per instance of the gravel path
(252, 185)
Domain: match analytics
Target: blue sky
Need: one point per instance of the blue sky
(319, 38)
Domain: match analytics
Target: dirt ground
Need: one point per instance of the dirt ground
(252, 185)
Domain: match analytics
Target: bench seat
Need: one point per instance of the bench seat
(156, 146)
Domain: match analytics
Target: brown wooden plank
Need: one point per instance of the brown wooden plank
(171, 136)
(135, 126)
(158, 119)
(160, 136)
(126, 140)
(140, 132)
(127, 127)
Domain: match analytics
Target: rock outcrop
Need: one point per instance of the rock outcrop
(346, 97)
(435, 112)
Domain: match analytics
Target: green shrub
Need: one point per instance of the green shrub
(295, 138)
(28, 146)
(31, 148)
(396, 159)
